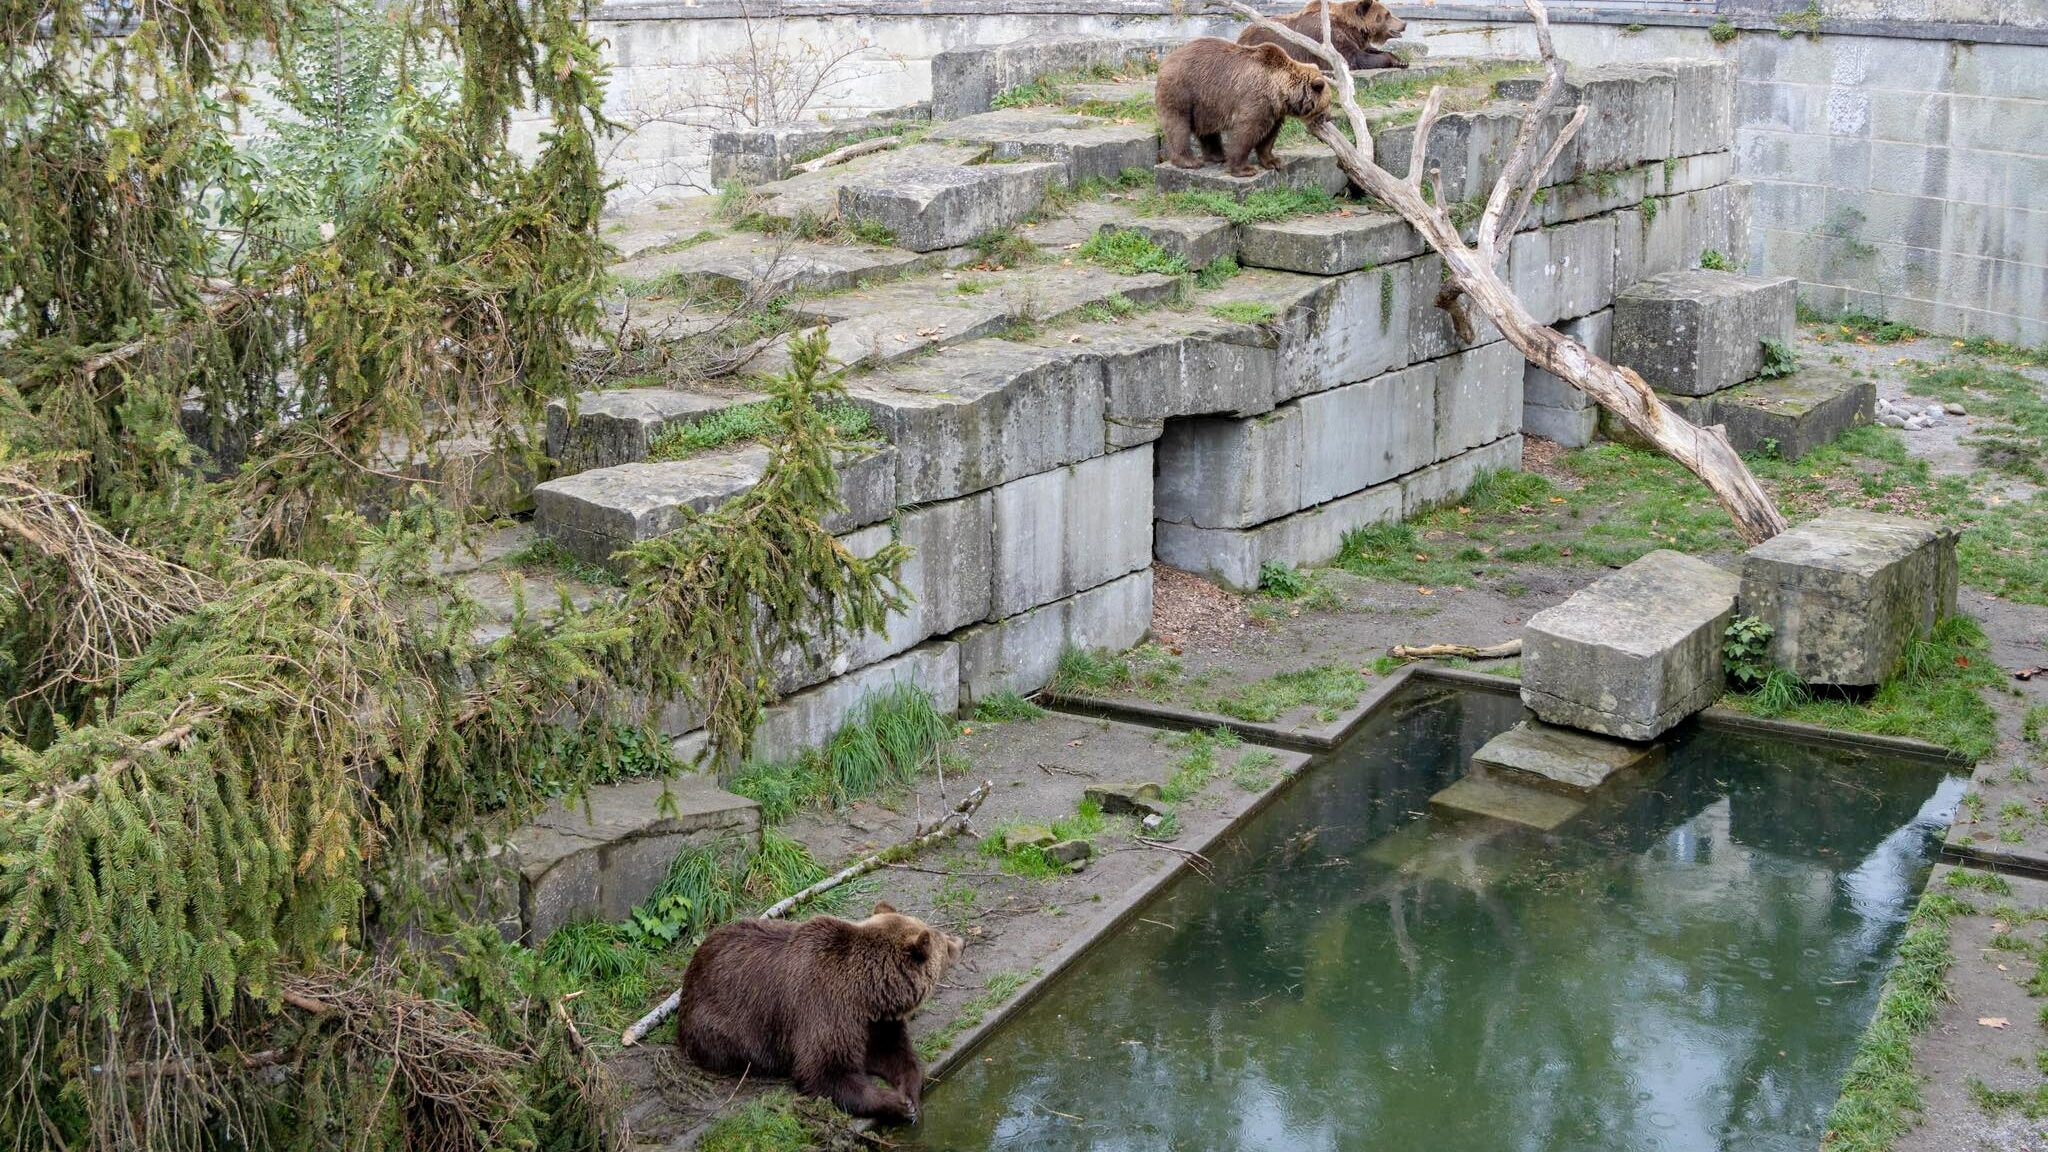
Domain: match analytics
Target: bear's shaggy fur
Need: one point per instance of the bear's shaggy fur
(1357, 29)
(1233, 100)
(823, 1002)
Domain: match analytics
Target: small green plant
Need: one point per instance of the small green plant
(1216, 272)
(1244, 311)
(970, 287)
(1004, 248)
(1806, 20)
(1633, 29)
(1130, 253)
(1005, 706)
(2034, 723)
(999, 987)
(1778, 360)
(1722, 31)
(872, 232)
(1113, 307)
(548, 554)
(1712, 260)
(1875, 329)
(1746, 652)
(778, 1120)
(1261, 207)
(1279, 578)
(887, 741)
(1329, 689)
(749, 423)
(1651, 206)
(1881, 1094)
(1145, 668)
(1198, 762)
(1254, 770)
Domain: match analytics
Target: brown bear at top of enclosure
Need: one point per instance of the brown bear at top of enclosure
(824, 1002)
(1357, 29)
(1233, 101)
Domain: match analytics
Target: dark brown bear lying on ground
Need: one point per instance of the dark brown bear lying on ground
(1234, 101)
(1357, 28)
(823, 1002)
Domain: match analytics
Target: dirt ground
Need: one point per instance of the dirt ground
(1018, 927)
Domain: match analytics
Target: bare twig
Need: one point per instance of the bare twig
(954, 822)
(842, 155)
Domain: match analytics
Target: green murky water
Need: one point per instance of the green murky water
(1687, 965)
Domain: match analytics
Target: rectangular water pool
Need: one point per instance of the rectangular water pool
(1687, 964)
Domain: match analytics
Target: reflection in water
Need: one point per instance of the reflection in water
(1686, 965)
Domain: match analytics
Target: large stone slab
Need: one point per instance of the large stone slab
(976, 415)
(1668, 233)
(596, 513)
(1478, 398)
(1238, 473)
(1695, 333)
(1071, 529)
(1563, 757)
(1301, 167)
(1085, 148)
(1845, 593)
(618, 427)
(1467, 150)
(1328, 330)
(967, 80)
(815, 195)
(1233, 556)
(1703, 105)
(1431, 332)
(1787, 417)
(1630, 112)
(940, 206)
(1020, 653)
(1538, 808)
(1633, 654)
(1554, 409)
(1566, 270)
(601, 857)
(1199, 240)
(758, 266)
(1170, 363)
(1329, 245)
(760, 155)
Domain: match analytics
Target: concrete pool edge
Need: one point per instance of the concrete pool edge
(1125, 906)
(1158, 715)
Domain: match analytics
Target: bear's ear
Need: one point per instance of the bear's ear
(884, 908)
(1274, 56)
(919, 950)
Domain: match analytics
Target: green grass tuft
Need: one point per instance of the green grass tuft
(1329, 689)
(1245, 311)
(751, 423)
(1144, 668)
(999, 988)
(1005, 706)
(546, 554)
(1131, 253)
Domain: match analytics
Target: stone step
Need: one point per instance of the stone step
(1112, 93)
(1020, 653)
(620, 426)
(754, 265)
(667, 226)
(599, 858)
(1301, 166)
(1694, 333)
(468, 471)
(807, 719)
(598, 512)
(1633, 654)
(1562, 757)
(932, 206)
(967, 80)
(1085, 147)
(1846, 592)
(1329, 245)
(1787, 417)
(1199, 240)
(1680, 228)
(767, 153)
(1168, 363)
(976, 415)
(1631, 110)
(815, 195)
(1539, 808)
(1330, 330)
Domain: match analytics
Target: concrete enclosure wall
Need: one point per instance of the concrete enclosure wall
(1899, 161)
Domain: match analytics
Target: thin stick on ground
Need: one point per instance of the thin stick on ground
(1464, 651)
(1473, 271)
(842, 155)
(952, 824)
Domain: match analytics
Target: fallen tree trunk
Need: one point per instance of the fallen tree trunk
(951, 824)
(1465, 651)
(1473, 270)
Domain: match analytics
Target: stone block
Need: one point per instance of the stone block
(1690, 174)
(1300, 167)
(763, 154)
(1327, 330)
(1538, 808)
(1231, 473)
(618, 427)
(1703, 105)
(1565, 270)
(1431, 333)
(1169, 363)
(1630, 112)
(750, 264)
(1573, 428)
(1634, 653)
(1199, 240)
(809, 718)
(599, 512)
(1085, 148)
(816, 195)
(978, 414)
(1593, 194)
(1563, 757)
(1467, 150)
(1845, 593)
(1478, 397)
(1794, 415)
(1070, 529)
(1233, 556)
(560, 880)
(1670, 238)
(1449, 479)
(468, 471)
(1695, 333)
(1329, 245)
(1020, 653)
(1541, 389)
(967, 80)
(929, 207)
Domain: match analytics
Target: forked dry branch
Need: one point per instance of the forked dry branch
(1473, 270)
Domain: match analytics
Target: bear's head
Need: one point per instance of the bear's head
(1369, 20)
(926, 952)
(1303, 90)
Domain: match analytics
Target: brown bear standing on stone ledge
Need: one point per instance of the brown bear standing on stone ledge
(1357, 29)
(1233, 100)
(823, 1002)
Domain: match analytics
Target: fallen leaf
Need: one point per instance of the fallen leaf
(1993, 1021)
(1427, 591)
(1962, 661)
